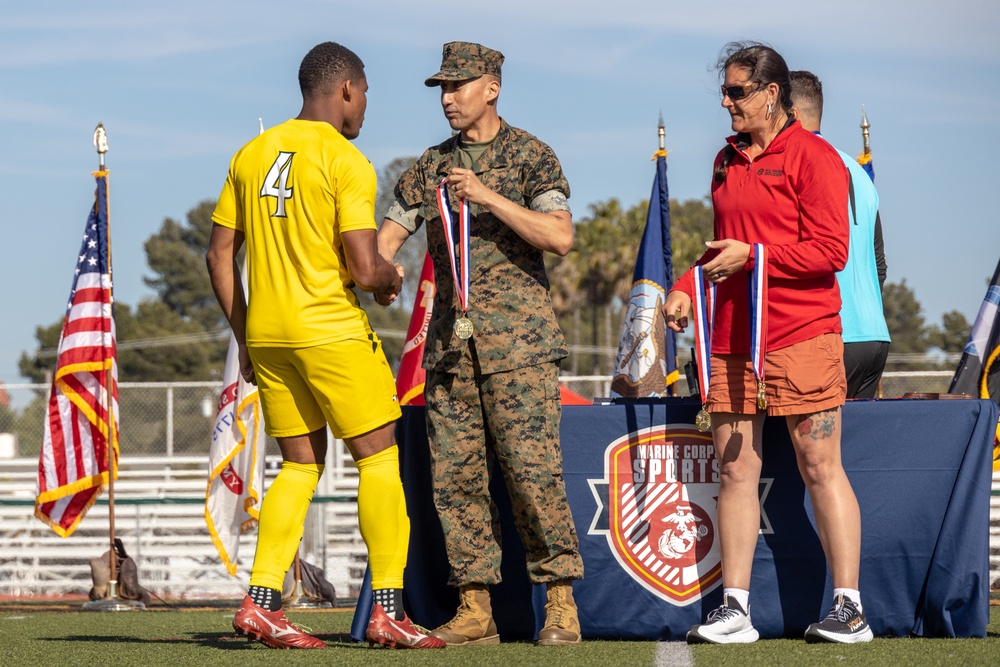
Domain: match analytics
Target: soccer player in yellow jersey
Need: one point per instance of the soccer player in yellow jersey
(301, 197)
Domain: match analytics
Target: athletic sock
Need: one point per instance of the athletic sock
(740, 595)
(282, 515)
(850, 593)
(391, 600)
(266, 598)
(382, 517)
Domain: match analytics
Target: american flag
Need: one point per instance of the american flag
(73, 463)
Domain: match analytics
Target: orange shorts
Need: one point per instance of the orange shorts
(801, 379)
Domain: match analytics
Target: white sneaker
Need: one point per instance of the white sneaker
(729, 624)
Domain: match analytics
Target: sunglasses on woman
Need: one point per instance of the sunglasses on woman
(739, 92)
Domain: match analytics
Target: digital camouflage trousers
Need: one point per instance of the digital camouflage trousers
(514, 415)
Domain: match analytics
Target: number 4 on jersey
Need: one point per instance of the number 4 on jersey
(276, 182)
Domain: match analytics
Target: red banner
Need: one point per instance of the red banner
(410, 378)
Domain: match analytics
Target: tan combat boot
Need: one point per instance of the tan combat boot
(473, 623)
(562, 625)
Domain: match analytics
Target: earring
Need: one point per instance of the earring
(768, 116)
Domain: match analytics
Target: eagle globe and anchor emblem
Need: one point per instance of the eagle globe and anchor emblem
(683, 532)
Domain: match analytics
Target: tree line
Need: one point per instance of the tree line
(179, 333)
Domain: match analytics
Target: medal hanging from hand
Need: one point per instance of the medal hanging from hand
(704, 318)
(460, 265)
(758, 320)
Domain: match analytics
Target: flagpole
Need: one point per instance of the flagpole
(112, 601)
(301, 601)
(661, 132)
(865, 158)
(101, 143)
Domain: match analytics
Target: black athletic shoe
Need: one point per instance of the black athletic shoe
(845, 624)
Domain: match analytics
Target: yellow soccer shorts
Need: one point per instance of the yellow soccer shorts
(347, 384)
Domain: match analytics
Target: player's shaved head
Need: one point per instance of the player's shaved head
(807, 97)
(327, 65)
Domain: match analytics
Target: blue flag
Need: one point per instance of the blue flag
(363, 610)
(865, 160)
(978, 371)
(972, 375)
(646, 364)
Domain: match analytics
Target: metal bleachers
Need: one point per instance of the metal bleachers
(159, 516)
(995, 531)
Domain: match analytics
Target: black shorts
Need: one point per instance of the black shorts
(863, 363)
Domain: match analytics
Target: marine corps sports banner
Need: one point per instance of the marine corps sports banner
(656, 506)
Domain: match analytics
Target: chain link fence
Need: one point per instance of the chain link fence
(895, 384)
(157, 418)
(175, 418)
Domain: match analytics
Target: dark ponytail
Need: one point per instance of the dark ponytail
(727, 156)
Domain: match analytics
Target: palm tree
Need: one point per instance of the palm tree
(606, 245)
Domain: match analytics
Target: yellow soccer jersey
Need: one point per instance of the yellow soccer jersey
(293, 191)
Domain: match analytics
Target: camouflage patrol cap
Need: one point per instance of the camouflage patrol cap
(461, 61)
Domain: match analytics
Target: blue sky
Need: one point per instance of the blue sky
(179, 87)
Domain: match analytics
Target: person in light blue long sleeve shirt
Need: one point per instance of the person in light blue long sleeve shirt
(866, 336)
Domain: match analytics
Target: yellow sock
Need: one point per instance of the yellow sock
(382, 517)
(282, 515)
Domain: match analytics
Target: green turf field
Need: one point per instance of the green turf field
(39, 636)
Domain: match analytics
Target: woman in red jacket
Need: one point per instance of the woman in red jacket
(780, 198)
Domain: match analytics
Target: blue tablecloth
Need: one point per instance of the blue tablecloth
(921, 470)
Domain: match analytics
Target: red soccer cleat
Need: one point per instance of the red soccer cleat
(271, 628)
(387, 631)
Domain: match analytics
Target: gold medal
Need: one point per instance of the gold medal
(703, 420)
(463, 328)
(762, 396)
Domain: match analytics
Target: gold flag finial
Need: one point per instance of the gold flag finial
(101, 142)
(864, 131)
(662, 133)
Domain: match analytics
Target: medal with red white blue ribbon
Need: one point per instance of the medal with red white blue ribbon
(460, 265)
(704, 318)
(758, 320)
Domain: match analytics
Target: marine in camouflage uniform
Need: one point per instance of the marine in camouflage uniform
(498, 391)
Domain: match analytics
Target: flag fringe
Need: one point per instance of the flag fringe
(984, 392)
(411, 394)
(253, 499)
(99, 481)
(55, 526)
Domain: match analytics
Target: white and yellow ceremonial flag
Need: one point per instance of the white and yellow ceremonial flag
(235, 463)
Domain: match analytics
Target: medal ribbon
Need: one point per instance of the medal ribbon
(464, 233)
(704, 318)
(758, 311)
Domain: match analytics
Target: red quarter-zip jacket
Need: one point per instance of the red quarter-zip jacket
(793, 199)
